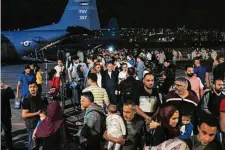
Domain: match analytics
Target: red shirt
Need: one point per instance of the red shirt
(222, 105)
(55, 83)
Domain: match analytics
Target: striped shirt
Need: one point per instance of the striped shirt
(184, 105)
(100, 95)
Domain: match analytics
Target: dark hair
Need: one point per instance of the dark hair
(44, 111)
(36, 68)
(93, 77)
(88, 95)
(209, 120)
(112, 108)
(51, 74)
(131, 71)
(124, 64)
(214, 81)
(96, 64)
(32, 82)
(129, 102)
(188, 66)
(91, 58)
(148, 74)
(75, 58)
(110, 62)
(168, 61)
(26, 67)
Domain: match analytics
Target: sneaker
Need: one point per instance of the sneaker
(17, 105)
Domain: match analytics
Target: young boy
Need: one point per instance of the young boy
(115, 126)
(43, 116)
(186, 128)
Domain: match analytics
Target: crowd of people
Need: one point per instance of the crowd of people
(126, 107)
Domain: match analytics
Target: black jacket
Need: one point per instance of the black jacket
(107, 82)
(6, 95)
(219, 71)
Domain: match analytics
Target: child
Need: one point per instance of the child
(115, 126)
(186, 128)
(43, 116)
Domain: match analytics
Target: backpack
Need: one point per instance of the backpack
(128, 91)
(102, 124)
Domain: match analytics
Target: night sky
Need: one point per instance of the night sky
(130, 13)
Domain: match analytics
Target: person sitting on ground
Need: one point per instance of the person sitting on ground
(115, 126)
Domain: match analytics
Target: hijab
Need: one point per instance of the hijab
(52, 123)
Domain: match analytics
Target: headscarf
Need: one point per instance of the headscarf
(53, 121)
(165, 113)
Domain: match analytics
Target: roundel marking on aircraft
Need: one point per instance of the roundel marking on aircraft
(26, 43)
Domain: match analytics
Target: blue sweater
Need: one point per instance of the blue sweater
(186, 131)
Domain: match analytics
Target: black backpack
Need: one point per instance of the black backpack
(102, 125)
(128, 91)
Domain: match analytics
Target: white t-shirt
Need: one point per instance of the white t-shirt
(122, 76)
(99, 79)
(146, 103)
(58, 70)
(149, 56)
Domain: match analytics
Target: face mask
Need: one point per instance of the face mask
(190, 74)
(219, 90)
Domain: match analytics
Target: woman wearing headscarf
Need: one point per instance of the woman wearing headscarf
(49, 129)
(169, 118)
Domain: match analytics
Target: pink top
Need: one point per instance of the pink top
(196, 85)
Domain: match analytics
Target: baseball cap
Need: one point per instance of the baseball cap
(222, 106)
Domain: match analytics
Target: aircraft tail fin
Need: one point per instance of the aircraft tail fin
(82, 13)
(113, 30)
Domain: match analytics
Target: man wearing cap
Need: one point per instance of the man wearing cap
(23, 81)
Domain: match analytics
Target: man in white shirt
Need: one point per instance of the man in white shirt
(97, 69)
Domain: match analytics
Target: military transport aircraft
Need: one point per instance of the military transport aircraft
(82, 14)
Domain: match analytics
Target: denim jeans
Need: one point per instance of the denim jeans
(31, 142)
(75, 96)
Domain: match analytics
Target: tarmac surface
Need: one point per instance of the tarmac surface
(9, 76)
